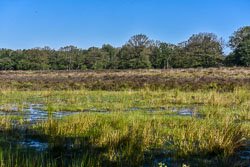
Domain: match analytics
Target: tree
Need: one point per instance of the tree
(139, 40)
(202, 50)
(33, 59)
(6, 62)
(165, 55)
(96, 59)
(135, 53)
(111, 53)
(58, 61)
(242, 52)
(79, 59)
(133, 58)
(238, 36)
(231, 60)
(69, 52)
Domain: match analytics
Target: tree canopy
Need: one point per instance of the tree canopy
(240, 43)
(237, 36)
(200, 50)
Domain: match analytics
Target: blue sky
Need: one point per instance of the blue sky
(56, 23)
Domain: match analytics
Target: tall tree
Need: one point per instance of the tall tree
(238, 36)
(135, 53)
(242, 52)
(202, 50)
(69, 52)
(96, 59)
(165, 55)
(33, 59)
(139, 40)
(6, 62)
(111, 53)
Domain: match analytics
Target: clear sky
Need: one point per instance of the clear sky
(85, 23)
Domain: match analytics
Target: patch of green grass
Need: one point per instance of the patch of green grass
(124, 100)
(129, 133)
(128, 136)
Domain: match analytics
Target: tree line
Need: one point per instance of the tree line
(200, 50)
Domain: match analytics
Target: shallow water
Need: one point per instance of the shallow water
(242, 159)
(33, 144)
(33, 113)
(172, 111)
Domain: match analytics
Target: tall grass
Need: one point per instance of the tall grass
(127, 137)
(124, 100)
(121, 136)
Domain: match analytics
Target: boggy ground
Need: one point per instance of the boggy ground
(184, 79)
(128, 128)
(145, 127)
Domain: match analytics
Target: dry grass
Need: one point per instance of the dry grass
(184, 79)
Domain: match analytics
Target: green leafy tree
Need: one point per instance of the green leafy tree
(69, 52)
(135, 53)
(165, 55)
(96, 59)
(6, 64)
(202, 50)
(6, 61)
(33, 59)
(242, 52)
(58, 61)
(238, 36)
(231, 60)
(239, 42)
(111, 54)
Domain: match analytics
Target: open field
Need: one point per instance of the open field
(193, 117)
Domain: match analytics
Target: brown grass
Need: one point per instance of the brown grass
(185, 79)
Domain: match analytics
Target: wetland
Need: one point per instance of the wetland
(193, 117)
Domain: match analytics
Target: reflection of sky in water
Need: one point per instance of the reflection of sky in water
(33, 113)
(38, 146)
(245, 155)
(185, 111)
(189, 111)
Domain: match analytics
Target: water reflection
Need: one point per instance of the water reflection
(33, 113)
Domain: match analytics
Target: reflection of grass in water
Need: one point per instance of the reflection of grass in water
(19, 158)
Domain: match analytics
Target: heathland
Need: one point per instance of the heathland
(177, 117)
